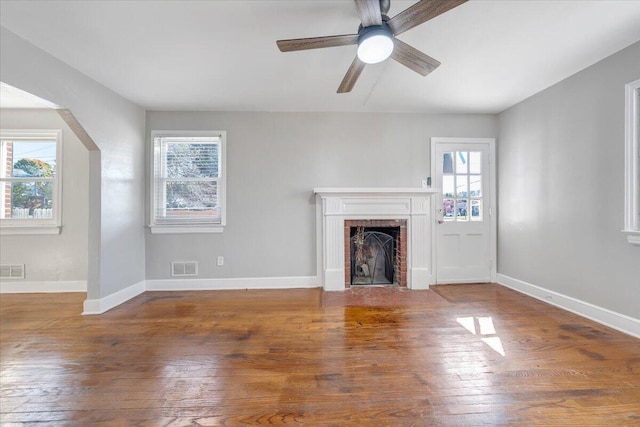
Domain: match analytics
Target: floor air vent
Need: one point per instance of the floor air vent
(184, 268)
(12, 271)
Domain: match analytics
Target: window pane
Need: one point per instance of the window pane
(476, 210)
(447, 163)
(448, 189)
(191, 200)
(461, 210)
(33, 199)
(462, 188)
(476, 185)
(30, 158)
(475, 162)
(448, 209)
(192, 160)
(462, 162)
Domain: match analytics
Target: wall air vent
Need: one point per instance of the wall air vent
(184, 268)
(12, 271)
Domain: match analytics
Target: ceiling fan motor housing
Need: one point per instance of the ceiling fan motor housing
(375, 43)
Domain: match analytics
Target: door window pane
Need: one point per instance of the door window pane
(476, 185)
(475, 162)
(448, 189)
(448, 209)
(447, 163)
(462, 162)
(476, 210)
(461, 210)
(462, 188)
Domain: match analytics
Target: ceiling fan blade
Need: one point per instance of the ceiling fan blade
(369, 12)
(412, 58)
(419, 13)
(352, 75)
(316, 42)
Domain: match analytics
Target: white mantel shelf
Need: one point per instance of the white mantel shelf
(336, 205)
(375, 191)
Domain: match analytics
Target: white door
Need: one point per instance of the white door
(464, 248)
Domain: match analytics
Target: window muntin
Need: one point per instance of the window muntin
(30, 179)
(188, 181)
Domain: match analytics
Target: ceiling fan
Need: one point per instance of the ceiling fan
(376, 37)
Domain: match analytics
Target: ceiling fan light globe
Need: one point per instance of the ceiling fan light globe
(375, 44)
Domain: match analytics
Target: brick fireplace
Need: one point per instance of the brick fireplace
(396, 226)
(340, 209)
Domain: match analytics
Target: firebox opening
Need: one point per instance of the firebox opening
(374, 255)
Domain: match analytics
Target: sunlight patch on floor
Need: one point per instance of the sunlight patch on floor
(484, 327)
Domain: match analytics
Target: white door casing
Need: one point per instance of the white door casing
(464, 216)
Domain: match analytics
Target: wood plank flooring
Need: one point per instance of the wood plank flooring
(456, 355)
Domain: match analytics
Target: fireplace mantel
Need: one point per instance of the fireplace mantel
(335, 205)
(372, 191)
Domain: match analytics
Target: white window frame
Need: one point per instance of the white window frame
(632, 163)
(18, 226)
(184, 227)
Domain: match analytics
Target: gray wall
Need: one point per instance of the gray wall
(561, 189)
(116, 258)
(274, 162)
(54, 257)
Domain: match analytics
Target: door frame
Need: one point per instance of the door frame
(493, 212)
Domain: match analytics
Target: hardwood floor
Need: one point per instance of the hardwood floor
(457, 355)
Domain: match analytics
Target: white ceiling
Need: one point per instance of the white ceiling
(222, 55)
(11, 97)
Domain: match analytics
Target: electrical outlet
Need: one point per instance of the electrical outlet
(220, 261)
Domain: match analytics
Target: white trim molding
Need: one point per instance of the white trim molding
(234, 283)
(620, 322)
(101, 305)
(336, 205)
(185, 229)
(163, 224)
(36, 229)
(20, 287)
(632, 163)
(493, 205)
(633, 237)
(19, 226)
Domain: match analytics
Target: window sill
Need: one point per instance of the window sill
(17, 230)
(186, 229)
(633, 237)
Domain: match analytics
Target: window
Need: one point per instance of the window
(462, 186)
(188, 182)
(30, 181)
(632, 163)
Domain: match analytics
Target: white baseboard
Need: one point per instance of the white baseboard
(620, 322)
(21, 287)
(419, 278)
(99, 306)
(229, 284)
